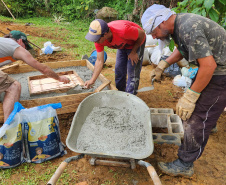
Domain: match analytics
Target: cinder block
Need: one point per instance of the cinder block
(161, 110)
(166, 138)
(176, 125)
(165, 119)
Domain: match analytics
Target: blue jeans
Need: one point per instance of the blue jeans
(124, 67)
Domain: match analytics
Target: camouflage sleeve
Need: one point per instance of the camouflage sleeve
(198, 46)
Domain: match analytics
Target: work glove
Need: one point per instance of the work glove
(186, 104)
(157, 72)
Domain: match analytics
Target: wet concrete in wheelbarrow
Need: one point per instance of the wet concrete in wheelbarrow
(114, 131)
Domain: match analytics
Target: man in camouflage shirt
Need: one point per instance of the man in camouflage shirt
(203, 41)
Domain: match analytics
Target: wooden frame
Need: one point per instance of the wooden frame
(41, 84)
(69, 102)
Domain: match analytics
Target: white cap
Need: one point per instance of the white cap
(155, 14)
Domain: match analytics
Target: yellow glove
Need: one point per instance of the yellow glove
(186, 104)
(157, 72)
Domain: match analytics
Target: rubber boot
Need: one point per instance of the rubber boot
(177, 168)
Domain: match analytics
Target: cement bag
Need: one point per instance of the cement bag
(41, 133)
(150, 41)
(146, 60)
(11, 143)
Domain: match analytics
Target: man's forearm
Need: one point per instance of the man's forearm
(138, 41)
(174, 57)
(49, 72)
(207, 67)
(97, 70)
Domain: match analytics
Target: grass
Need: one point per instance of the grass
(63, 33)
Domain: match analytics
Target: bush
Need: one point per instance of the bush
(213, 9)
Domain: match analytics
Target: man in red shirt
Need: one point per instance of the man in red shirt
(129, 39)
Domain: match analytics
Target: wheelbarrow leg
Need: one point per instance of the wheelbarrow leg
(151, 171)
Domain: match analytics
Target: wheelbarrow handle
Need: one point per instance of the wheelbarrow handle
(151, 170)
(62, 167)
(57, 173)
(154, 176)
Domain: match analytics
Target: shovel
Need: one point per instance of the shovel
(149, 88)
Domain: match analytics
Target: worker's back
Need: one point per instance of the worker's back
(7, 48)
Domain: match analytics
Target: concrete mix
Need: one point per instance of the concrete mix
(84, 73)
(113, 131)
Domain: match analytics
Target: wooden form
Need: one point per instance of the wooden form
(69, 102)
(42, 84)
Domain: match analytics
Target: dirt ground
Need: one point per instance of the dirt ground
(210, 168)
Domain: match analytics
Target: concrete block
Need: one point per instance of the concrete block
(162, 110)
(167, 138)
(168, 123)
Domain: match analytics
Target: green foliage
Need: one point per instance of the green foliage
(69, 9)
(21, 8)
(213, 9)
(171, 45)
(123, 7)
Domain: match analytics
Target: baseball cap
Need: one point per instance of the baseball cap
(20, 35)
(97, 29)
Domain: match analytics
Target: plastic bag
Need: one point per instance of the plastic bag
(146, 60)
(41, 133)
(11, 143)
(182, 81)
(191, 73)
(150, 41)
(156, 55)
(173, 70)
(49, 48)
(150, 51)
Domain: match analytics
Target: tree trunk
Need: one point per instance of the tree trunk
(47, 2)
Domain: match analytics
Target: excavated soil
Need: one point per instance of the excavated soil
(210, 168)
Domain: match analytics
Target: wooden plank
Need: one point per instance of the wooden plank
(102, 86)
(24, 68)
(100, 77)
(9, 66)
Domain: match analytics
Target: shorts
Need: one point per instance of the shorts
(5, 81)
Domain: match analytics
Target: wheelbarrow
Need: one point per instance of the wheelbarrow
(111, 124)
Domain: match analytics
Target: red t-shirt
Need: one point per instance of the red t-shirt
(124, 33)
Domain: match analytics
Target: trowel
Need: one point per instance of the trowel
(81, 89)
(149, 88)
(78, 89)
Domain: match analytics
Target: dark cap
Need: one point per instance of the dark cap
(20, 35)
(97, 29)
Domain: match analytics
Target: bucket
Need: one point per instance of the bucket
(93, 57)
